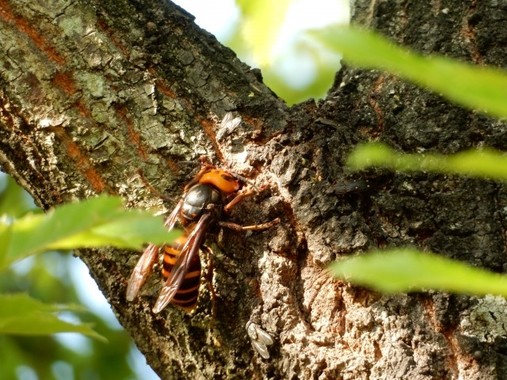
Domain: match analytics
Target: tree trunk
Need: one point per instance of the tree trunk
(124, 96)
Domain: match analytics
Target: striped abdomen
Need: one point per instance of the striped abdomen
(186, 296)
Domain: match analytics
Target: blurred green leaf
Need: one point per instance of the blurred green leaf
(476, 87)
(48, 279)
(403, 270)
(295, 68)
(484, 163)
(96, 222)
(23, 315)
(13, 201)
(262, 20)
(325, 66)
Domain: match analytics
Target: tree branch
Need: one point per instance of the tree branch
(122, 97)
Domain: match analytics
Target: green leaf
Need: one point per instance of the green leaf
(403, 270)
(483, 163)
(262, 20)
(5, 239)
(476, 87)
(97, 222)
(325, 63)
(22, 315)
(130, 230)
(14, 201)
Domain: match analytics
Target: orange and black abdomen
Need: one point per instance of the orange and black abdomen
(186, 296)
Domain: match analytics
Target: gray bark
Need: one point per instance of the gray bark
(124, 96)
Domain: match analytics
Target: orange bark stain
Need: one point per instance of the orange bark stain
(165, 89)
(24, 26)
(82, 108)
(173, 166)
(83, 164)
(104, 27)
(133, 135)
(65, 82)
(209, 129)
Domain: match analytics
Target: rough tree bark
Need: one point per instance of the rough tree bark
(123, 96)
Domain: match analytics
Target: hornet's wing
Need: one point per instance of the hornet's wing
(144, 266)
(191, 247)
